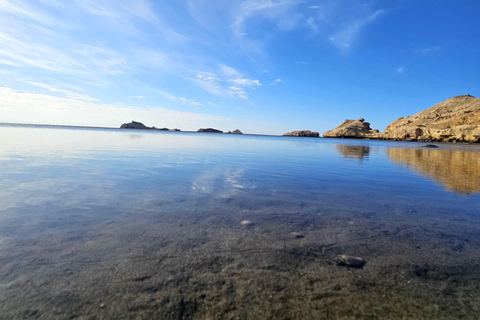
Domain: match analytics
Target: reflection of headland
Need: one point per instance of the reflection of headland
(459, 171)
(353, 152)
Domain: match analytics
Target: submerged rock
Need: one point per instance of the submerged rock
(302, 133)
(430, 146)
(350, 261)
(297, 235)
(246, 223)
(209, 130)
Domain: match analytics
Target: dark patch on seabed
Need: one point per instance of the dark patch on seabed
(201, 263)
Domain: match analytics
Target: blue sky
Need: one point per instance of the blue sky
(263, 66)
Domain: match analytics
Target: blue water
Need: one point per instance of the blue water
(79, 168)
(58, 182)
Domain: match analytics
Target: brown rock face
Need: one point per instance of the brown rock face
(352, 129)
(454, 120)
(302, 133)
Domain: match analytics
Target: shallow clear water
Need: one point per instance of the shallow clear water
(100, 201)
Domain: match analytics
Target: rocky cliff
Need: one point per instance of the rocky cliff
(352, 129)
(454, 120)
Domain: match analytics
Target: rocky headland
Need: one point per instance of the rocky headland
(352, 129)
(302, 133)
(455, 120)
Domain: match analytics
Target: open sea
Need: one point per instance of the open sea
(129, 224)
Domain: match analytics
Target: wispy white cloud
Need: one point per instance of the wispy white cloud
(245, 82)
(230, 72)
(428, 50)
(400, 70)
(175, 98)
(277, 81)
(67, 93)
(345, 36)
(312, 24)
(220, 85)
(28, 107)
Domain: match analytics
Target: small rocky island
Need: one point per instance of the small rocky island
(236, 131)
(136, 125)
(140, 126)
(456, 119)
(302, 133)
(209, 130)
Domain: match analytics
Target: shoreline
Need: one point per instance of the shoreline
(244, 134)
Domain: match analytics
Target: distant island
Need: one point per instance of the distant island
(140, 126)
(302, 133)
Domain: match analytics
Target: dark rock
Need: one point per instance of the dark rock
(430, 146)
(298, 235)
(349, 261)
(135, 125)
(236, 131)
(209, 130)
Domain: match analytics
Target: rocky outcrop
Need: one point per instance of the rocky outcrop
(302, 133)
(454, 120)
(209, 130)
(236, 131)
(352, 129)
(136, 125)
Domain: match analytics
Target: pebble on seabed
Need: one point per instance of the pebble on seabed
(298, 235)
(246, 223)
(349, 261)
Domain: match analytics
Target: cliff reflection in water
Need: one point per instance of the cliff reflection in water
(353, 152)
(459, 171)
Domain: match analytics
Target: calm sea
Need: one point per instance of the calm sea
(113, 224)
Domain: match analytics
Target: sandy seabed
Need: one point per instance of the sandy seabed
(196, 261)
